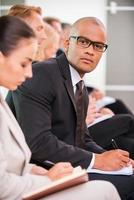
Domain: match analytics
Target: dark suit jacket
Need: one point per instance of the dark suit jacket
(45, 109)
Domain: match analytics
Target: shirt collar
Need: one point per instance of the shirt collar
(75, 77)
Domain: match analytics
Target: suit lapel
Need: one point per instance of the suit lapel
(64, 69)
(69, 88)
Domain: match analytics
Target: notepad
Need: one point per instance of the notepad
(105, 101)
(124, 171)
(100, 119)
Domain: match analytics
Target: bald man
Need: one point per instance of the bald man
(47, 108)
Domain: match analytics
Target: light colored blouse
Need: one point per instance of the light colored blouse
(15, 177)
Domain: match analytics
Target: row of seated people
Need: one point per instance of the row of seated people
(18, 176)
(46, 110)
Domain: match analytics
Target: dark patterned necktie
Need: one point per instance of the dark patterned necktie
(81, 108)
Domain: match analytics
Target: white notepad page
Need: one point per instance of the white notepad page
(124, 171)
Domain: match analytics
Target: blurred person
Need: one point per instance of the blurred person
(58, 131)
(57, 25)
(32, 15)
(102, 100)
(49, 47)
(104, 125)
(18, 46)
(94, 115)
(66, 27)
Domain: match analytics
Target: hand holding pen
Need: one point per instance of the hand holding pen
(115, 146)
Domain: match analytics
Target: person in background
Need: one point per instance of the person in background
(104, 125)
(18, 46)
(66, 27)
(57, 25)
(116, 105)
(32, 15)
(94, 114)
(49, 47)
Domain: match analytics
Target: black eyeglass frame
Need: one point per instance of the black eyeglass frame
(90, 42)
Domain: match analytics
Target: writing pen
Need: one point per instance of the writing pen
(48, 163)
(114, 144)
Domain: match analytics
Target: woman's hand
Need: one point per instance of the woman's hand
(59, 170)
(37, 170)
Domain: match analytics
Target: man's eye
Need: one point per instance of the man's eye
(82, 41)
(99, 46)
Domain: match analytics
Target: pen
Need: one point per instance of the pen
(48, 164)
(114, 144)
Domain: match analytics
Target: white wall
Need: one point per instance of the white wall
(71, 10)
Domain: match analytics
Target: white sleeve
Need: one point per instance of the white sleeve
(13, 186)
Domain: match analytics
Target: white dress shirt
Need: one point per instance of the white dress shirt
(75, 77)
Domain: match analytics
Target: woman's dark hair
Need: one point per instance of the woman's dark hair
(12, 30)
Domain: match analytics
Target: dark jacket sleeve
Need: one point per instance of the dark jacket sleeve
(33, 103)
(34, 117)
(90, 145)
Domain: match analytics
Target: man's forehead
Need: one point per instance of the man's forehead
(87, 27)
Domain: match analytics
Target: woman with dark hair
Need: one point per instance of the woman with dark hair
(18, 46)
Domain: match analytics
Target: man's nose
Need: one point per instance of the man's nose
(90, 48)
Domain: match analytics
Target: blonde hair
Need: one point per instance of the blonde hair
(52, 38)
(24, 11)
(50, 20)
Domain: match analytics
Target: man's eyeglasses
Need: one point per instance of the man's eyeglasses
(85, 43)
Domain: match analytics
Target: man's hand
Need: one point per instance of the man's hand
(111, 160)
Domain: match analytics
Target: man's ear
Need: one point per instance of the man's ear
(66, 45)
